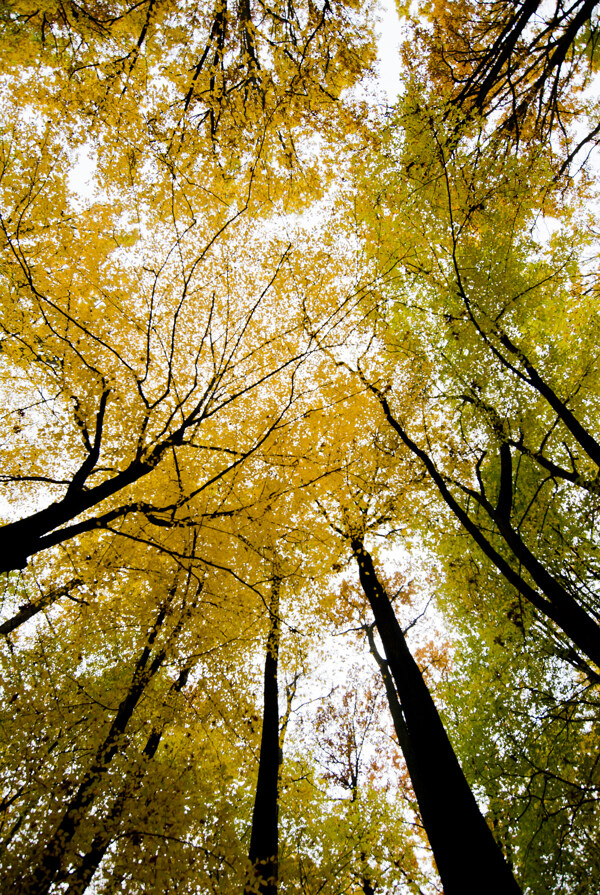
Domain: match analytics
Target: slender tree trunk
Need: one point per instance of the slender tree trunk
(468, 859)
(264, 837)
(52, 861)
(493, 61)
(554, 601)
(398, 721)
(30, 609)
(81, 878)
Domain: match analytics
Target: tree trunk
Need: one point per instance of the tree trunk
(264, 837)
(468, 859)
(52, 861)
(556, 603)
(21, 539)
(30, 609)
(81, 878)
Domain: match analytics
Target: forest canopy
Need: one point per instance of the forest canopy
(300, 449)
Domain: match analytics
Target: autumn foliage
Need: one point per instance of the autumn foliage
(300, 449)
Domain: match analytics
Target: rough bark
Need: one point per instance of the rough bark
(468, 859)
(264, 837)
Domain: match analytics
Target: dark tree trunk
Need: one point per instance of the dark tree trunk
(400, 727)
(554, 601)
(487, 73)
(468, 859)
(21, 539)
(264, 837)
(48, 527)
(367, 887)
(30, 609)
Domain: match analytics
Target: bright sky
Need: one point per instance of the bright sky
(389, 33)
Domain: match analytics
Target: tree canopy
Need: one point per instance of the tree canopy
(300, 449)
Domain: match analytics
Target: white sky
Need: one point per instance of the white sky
(389, 32)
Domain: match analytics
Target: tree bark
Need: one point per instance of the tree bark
(556, 603)
(21, 539)
(264, 837)
(468, 859)
(488, 71)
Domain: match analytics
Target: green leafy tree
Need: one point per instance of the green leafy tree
(504, 428)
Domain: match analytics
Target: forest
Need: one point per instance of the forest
(299, 566)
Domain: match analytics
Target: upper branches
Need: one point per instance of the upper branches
(187, 373)
(223, 95)
(525, 66)
(499, 318)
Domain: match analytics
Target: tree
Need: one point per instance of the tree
(167, 400)
(264, 838)
(164, 793)
(489, 381)
(370, 501)
(526, 66)
(146, 666)
(521, 444)
(274, 330)
(170, 255)
(449, 811)
(30, 609)
(364, 774)
(209, 94)
(523, 731)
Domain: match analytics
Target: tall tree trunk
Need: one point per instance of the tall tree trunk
(264, 837)
(554, 601)
(53, 859)
(468, 859)
(81, 878)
